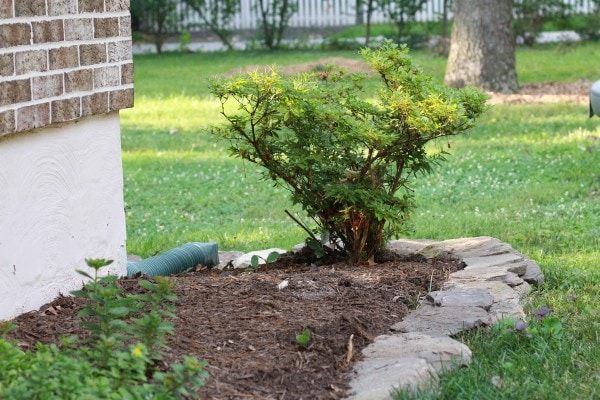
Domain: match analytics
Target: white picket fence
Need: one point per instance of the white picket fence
(328, 13)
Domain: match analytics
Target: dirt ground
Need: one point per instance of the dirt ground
(544, 92)
(245, 327)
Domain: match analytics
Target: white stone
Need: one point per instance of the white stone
(440, 351)
(225, 257)
(61, 201)
(244, 260)
(377, 378)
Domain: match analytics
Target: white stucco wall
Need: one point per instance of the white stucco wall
(61, 201)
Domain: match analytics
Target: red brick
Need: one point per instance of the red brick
(79, 29)
(106, 27)
(125, 26)
(14, 92)
(7, 64)
(6, 8)
(120, 51)
(66, 110)
(126, 74)
(34, 116)
(64, 57)
(120, 99)
(91, 6)
(14, 34)
(43, 87)
(117, 5)
(48, 31)
(31, 61)
(107, 77)
(79, 81)
(94, 104)
(30, 8)
(62, 7)
(7, 122)
(90, 54)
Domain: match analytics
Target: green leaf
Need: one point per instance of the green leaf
(272, 257)
(254, 261)
(303, 338)
(85, 274)
(120, 311)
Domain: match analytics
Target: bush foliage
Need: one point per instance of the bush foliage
(348, 161)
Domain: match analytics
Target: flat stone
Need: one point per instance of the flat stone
(507, 308)
(244, 260)
(407, 247)
(498, 290)
(442, 320)
(498, 273)
(377, 378)
(467, 247)
(533, 273)
(507, 301)
(495, 260)
(225, 257)
(522, 289)
(440, 351)
(462, 297)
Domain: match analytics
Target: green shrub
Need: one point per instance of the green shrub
(348, 161)
(116, 361)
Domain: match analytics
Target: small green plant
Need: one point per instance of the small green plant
(348, 161)
(117, 360)
(255, 261)
(303, 338)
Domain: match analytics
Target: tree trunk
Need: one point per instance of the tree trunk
(482, 48)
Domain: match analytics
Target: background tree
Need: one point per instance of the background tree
(402, 14)
(365, 9)
(482, 47)
(274, 18)
(216, 16)
(157, 18)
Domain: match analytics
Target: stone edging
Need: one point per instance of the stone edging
(492, 286)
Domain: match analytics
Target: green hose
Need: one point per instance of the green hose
(179, 259)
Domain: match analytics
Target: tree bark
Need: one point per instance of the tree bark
(482, 48)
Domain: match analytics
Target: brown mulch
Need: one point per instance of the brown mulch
(245, 327)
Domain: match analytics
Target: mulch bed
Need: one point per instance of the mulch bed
(245, 327)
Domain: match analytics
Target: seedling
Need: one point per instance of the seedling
(303, 338)
(255, 261)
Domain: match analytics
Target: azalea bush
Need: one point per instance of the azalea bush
(349, 161)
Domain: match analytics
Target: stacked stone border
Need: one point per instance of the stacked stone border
(493, 285)
(61, 60)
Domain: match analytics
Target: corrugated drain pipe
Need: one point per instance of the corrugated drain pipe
(176, 260)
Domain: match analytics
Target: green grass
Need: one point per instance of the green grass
(528, 175)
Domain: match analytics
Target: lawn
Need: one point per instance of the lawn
(527, 174)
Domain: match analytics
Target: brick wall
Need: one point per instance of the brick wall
(61, 60)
